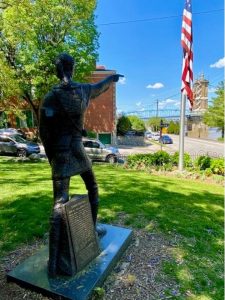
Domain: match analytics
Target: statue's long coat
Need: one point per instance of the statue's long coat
(61, 124)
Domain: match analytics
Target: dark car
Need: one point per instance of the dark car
(130, 133)
(165, 139)
(16, 145)
(134, 133)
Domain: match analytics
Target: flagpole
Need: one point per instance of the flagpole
(182, 132)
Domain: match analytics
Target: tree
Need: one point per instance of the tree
(214, 116)
(123, 125)
(154, 123)
(136, 123)
(32, 34)
(174, 127)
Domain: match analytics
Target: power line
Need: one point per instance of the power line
(163, 99)
(158, 18)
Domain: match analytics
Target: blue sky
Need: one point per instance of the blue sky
(149, 53)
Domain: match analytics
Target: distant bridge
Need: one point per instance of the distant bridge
(161, 113)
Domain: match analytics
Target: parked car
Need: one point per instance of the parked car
(165, 139)
(130, 133)
(148, 134)
(96, 150)
(16, 145)
(155, 136)
(12, 131)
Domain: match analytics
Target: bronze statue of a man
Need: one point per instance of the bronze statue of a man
(61, 126)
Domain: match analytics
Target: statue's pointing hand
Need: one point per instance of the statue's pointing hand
(116, 77)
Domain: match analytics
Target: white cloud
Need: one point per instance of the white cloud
(157, 85)
(177, 103)
(122, 80)
(219, 64)
(164, 103)
(170, 101)
(139, 103)
(212, 90)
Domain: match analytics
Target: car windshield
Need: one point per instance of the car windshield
(19, 139)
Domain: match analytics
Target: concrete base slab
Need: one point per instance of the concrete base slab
(32, 273)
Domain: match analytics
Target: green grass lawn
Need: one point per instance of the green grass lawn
(189, 211)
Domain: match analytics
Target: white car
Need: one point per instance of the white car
(155, 136)
(98, 151)
(148, 134)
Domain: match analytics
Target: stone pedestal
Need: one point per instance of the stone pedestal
(32, 273)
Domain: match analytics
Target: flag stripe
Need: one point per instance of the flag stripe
(187, 19)
(186, 42)
(186, 35)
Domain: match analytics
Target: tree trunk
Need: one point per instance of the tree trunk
(35, 109)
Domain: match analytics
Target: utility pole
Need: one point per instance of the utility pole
(157, 108)
(161, 127)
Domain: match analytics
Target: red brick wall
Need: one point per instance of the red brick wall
(101, 113)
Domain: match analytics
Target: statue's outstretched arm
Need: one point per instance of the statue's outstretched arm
(101, 86)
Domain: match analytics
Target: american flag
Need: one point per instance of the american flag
(186, 42)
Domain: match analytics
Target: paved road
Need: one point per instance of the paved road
(195, 147)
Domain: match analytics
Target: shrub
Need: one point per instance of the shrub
(187, 159)
(91, 134)
(136, 160)
(161, 158)
(203, 162)
(217, 166)
(208, 172)
(158, 159)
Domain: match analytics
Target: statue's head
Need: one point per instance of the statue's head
(64, 67)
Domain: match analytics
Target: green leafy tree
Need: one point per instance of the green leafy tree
(173, 127)
(214, 116)
(123, 125)
(32, 34)
(136, 123)
(154, 123)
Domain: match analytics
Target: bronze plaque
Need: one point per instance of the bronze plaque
(81, 231)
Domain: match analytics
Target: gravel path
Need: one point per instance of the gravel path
(137, 276)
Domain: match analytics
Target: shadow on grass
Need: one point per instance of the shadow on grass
(191, 211)
(23, 219)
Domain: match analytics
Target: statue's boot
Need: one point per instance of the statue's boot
(92, 187)
(100, 229)
(54, 238)
(61, 196)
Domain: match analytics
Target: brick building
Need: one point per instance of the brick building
(100, 116)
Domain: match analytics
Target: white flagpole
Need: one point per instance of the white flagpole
(182, 132)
